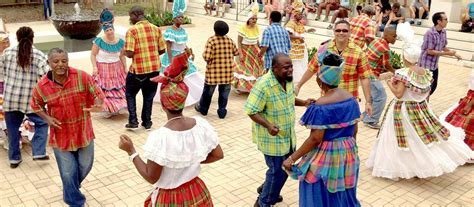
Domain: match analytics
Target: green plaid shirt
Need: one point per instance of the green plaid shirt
(276, 105)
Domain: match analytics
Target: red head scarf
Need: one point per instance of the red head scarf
(173, 91)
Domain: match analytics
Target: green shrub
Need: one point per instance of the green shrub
(396, 60)
(165, 20)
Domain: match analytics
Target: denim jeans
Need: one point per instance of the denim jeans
(133, 84)
(434, 83)
(13, 120)
(73, 167)
(274, 180)
(379, 98)
(206, 98)
(47, 8)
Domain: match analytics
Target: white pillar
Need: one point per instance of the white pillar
(452, 8)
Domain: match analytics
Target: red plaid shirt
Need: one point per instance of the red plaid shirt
(361, 28)
(378, 54)
(356, 67)
(66, 103)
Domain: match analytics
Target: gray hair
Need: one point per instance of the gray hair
(56, 51)
(369, 10)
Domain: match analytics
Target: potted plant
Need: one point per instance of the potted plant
(165, 20)
(395, 60)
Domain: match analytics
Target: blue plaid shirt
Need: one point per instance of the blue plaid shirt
(277, 39)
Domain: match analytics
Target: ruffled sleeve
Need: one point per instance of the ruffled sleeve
(178, 36)
(413, 81)
(117, 47)
(180, 149)
(331, 116)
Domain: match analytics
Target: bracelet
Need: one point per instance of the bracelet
(133, 156)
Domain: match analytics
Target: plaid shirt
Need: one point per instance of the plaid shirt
(433, 40)
(356, 67)
(361, 27)
(378, 55)
(18, 81)
(276, 105)
(277, 39)
(144, 40)
(313, 64)
(66, 103)
(219, 55)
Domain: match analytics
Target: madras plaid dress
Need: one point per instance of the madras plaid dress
(465, 121)
(335, 161)
(219, 55)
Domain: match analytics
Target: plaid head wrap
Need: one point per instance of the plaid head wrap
(297, 7)
(328, 74)
(106, 19)
(173, 91)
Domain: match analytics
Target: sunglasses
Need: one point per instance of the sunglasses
(341, 30)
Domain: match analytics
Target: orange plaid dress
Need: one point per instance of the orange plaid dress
(362, 27)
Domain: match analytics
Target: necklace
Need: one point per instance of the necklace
(174, 118)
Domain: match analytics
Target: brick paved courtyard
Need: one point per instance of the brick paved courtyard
(232, 181)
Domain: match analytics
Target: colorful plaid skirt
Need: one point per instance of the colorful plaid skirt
(193, 193)
(334, 163)
(465, 121)
(249, 69)
(2, 114)
(111, 79)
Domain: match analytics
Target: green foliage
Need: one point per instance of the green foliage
(395, 60)
(164, 20)
(311, 52)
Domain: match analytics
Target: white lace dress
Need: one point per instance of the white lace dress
(412, 142)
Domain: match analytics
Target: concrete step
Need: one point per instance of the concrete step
(464, 46)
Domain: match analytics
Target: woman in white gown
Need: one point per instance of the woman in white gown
(412, 142)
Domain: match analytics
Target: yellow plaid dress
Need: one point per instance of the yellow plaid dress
(297, 45)
(219, 55)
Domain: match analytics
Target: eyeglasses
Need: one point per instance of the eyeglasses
(445, 19)
(341, 30)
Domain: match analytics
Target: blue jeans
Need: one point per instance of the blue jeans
(206, 98)
(274, 180)
(13, 120)
(73, 167)
(379, 98)
(133, 84)
(47, 8)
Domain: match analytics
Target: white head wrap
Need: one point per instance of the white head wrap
(253, 10)
(411, 45)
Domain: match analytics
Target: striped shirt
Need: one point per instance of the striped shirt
(66, 103)
(277, 106)
(277, 39)
(378, 55)
(144, 40)
(20, 82)
(433, 40)
(362, 27)
(219, 55)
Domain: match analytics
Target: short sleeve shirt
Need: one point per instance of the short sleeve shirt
(433, 40)
(378, 55)
(362, 27)
(277, 39)
(144, 40)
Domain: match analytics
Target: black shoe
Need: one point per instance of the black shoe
(131, 126)
(222, 113)
(14, 165)
(197, 108)
(41, 158)
(256, 204)
(259, 191)
(147, 126)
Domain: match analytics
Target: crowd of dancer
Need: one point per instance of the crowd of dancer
(272, 68)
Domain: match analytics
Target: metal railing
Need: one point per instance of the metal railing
(241, 6)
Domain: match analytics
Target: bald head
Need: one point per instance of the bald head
(390, 34)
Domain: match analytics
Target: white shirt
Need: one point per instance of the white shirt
(180, 152)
